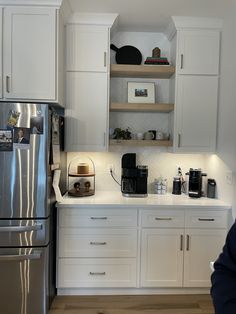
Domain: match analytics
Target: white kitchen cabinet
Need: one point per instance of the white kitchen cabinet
(202, 247)
(97, 248)
(88, 48)
(29, 53)
(86, 111)
(162, 258)
(196, 113)
(198, 52)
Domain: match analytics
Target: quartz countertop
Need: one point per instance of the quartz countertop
(115, 198)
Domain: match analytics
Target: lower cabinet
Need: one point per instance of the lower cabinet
(134, 248)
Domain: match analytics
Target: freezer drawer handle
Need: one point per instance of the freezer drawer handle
(20, 257)
(21, 228)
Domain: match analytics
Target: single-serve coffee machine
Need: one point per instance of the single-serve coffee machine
(133, 178)
(195, 182)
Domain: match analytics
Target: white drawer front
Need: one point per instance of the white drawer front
(97, 218)
(97, 242)
(76, 273)
(206, 219)
(162, 218)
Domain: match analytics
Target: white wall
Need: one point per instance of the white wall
(226, 144)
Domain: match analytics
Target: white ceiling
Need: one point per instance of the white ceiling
(152, 15)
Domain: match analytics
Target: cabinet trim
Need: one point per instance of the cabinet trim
(166, 143)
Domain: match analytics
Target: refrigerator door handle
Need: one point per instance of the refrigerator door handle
(23, 257)
(21, 228)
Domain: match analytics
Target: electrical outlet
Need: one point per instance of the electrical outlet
(229, 177)
(111, 167)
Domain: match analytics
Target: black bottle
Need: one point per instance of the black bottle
(176, 186)
(211, 188)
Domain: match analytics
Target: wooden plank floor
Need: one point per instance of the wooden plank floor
(138, 304)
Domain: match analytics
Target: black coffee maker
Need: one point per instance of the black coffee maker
(195, 182)
(133, 178)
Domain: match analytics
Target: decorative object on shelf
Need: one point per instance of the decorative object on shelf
(156, 52)
(127, 55)
(141, 92)
(120, 134)
(81, 177)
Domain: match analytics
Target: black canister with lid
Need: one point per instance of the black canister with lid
(211, 188)
(176, 186)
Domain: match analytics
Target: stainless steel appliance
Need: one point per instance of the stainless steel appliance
(195, 182)
(27, 211)
(134, 178)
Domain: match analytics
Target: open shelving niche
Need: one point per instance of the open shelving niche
(141, 71)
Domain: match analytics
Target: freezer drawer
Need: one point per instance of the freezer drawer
(19, 233)
(24, 281)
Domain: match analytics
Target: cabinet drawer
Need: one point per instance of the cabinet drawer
(206, 219)
(73, 273)
(162, 218)
(97, 242)
(97, 218)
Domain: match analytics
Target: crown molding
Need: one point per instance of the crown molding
(105, 19)
(45, 3)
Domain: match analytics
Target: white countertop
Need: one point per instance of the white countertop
(115, 198)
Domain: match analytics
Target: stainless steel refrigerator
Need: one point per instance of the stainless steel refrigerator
(30, 145)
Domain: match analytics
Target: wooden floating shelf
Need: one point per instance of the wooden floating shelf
(80, 175)
(141, 142)
(141, 107)
(149, 71)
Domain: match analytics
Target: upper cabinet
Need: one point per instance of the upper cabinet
(198, 52)
(31, 58)
(197, 44)
(88, 48)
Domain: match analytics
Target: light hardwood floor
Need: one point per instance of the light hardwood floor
(141, 304)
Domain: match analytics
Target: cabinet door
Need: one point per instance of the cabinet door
(88, 48)
(198, 52)
(162, 258)
(87, 111)
(29, 53)
(202, 247)
(196, 113)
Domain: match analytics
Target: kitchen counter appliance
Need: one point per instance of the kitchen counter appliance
(195, 182)
(27, 211)
(134, 178)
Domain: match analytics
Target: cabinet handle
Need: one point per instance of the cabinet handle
(8, 84)
(105, 59)
(163, 218)
(206, 219)
(179, 139)
(97, 273)
(181, 242)
(98, 218)
(181, 61)
(98, 243)
(104, 139)
(188, 243)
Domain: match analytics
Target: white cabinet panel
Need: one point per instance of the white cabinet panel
(196, 113)
(198, 52)
(162, 218)
(88, 48)
(202, 247)
(86, 112)
(1, 67)
(78, 242)
(162, 258)
(98, 218)
(29, 53)
(76, 273)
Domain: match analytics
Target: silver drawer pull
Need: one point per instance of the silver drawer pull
(21, 228)
(181, 242)
(20, 257)
(188, 243)
(163, 218)
(206, 219)
(98, 243)
(98, 218)
(97, 273)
